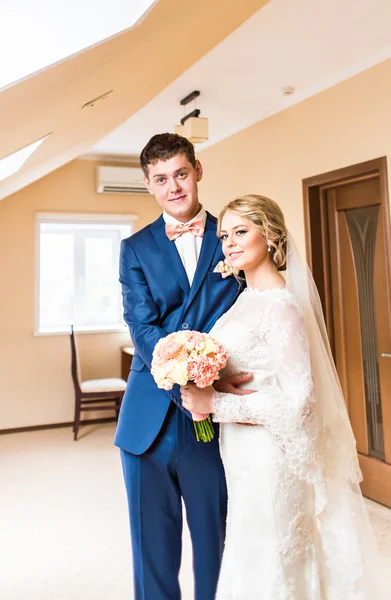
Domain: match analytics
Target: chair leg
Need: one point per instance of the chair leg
(76, 422)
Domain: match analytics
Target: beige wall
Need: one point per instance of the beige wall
(35, 381)
(347, 124)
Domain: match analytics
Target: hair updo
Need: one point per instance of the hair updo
(268, 218)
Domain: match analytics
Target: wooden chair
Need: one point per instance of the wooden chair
(94, 394)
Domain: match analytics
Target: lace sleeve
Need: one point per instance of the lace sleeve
(286, 406)
(287, 397)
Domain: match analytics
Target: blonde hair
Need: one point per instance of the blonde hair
(268, 218)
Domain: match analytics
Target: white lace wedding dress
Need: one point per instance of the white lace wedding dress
(281, 543)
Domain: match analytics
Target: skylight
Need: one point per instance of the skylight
(34, 35)
(13, 162)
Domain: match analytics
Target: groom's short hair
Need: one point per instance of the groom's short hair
(164, 146)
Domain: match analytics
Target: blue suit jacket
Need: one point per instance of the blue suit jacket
(158, 300)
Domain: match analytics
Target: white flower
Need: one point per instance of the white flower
(225, 269)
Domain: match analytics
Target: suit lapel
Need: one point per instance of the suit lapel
(170, 252)
(209, 244)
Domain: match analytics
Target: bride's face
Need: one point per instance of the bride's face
(244, 247)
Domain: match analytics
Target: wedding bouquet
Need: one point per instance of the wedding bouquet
(186, 356)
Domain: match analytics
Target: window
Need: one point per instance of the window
(34, 35)
(78, 258)
(13, 162)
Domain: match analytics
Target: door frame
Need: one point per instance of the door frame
(357, 172)
(316, 236)
(315, 230)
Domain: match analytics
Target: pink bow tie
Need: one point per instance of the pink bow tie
(174, 230)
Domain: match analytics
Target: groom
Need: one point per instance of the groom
(168, 284)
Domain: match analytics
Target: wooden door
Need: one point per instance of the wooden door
(354, 232)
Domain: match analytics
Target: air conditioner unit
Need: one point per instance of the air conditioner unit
(120, 180)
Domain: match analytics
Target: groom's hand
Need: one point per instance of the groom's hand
(228, 385)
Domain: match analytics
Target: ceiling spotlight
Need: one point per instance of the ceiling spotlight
(193, 127)
(287, 90)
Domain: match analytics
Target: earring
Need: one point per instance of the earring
(269, 247)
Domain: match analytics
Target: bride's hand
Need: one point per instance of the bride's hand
(227, 385)
(197, 400)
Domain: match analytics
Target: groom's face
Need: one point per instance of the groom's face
(174, 183)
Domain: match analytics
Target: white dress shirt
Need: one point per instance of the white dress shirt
(188, 245)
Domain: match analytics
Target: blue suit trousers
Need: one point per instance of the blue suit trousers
(176, 466)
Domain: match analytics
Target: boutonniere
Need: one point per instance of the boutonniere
(225, 269)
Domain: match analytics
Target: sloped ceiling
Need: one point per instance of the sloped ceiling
(242, 78)
(137, 65)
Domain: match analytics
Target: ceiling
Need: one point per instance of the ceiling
(308, 44)
(137, 64)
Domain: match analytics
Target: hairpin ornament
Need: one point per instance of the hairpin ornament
(283, 237)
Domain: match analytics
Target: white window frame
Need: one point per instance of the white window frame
(74, 219)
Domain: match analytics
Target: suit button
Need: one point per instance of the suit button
(185, 325)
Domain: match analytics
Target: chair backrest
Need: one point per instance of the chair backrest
(75, 362)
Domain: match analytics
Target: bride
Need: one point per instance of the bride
(297, 527)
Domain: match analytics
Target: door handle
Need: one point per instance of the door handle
(386, 355)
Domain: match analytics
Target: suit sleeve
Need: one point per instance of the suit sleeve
(140, 311)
